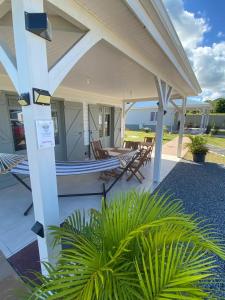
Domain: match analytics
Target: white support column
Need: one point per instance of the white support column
(131, 105)
(207, 120)
(59, 71)
(202, 121)
(181, 130)
(9, 67)
(33, 72)
(85, 123)
(123, 120)
(158, 147)
(164, 92)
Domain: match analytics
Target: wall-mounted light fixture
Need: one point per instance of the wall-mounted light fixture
(41, 97)
(24, 99)
(38, 229)
(39, 24)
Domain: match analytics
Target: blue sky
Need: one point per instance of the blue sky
(200, 25)
(214, 12)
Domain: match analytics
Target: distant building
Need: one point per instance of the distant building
(144, 114)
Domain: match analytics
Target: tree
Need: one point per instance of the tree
(220, 105)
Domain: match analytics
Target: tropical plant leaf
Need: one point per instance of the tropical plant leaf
(141, 246)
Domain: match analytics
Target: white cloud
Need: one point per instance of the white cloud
(220, 34)
(190, 28)
(208, 62)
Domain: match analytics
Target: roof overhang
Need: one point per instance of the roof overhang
(136, 43)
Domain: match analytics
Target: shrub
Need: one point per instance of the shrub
(197, 144)
(141, 246)
(146, 129)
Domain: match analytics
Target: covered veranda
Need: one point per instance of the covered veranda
(101, 51)
(15, 227)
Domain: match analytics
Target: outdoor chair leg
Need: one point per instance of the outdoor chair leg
(134, 174)
(141, 174)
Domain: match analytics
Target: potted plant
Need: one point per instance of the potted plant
(197, 146)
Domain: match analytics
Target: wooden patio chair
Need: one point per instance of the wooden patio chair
(96, 146)
(127, 144)
(147, 149)
(104, 154)
(150, 140)
(140, 162)
(131, 144)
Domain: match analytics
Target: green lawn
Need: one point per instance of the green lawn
(216, 141)
(138, 136)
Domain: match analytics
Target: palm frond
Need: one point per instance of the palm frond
(141, 246)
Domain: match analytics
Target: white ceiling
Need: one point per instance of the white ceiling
(107, 71)
(65, 35)
(104, 69)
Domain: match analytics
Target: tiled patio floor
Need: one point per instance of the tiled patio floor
(15, 231)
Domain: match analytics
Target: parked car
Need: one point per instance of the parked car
(18, 134)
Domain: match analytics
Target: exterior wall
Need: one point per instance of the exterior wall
(8, 101)
(70, 128)
(96, 115)
(140, 118)
(195, 120)
(74, 131)
(6, 138)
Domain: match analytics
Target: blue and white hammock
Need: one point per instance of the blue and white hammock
(18, 165)
(74, 167)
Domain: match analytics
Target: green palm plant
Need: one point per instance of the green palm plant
(141, 246)
(197, 144)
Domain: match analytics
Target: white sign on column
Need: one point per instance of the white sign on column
(45, 134)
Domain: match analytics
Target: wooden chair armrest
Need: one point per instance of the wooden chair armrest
(103, 153)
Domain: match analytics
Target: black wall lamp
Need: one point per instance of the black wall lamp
(41, 97)
(24, 99)
(39, 24)
(38, 229)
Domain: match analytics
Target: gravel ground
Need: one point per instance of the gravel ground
(202, 189)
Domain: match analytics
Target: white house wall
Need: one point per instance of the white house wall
(139, 118)
(71, 124)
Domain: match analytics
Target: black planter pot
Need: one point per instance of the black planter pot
(199, 157)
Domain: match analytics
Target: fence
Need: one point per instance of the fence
(214, 119)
